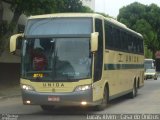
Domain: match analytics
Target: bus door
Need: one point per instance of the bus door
(98, 63)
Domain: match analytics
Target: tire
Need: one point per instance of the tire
(155, 78)
(134, 91)
(105, 100)
(47, 108)
(138, 85)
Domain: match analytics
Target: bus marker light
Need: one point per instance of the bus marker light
(83, 103)
(28, 102)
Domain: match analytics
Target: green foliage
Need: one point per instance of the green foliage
(3, 30)
(131, 13)
(143, 27)
(148, 53)
(3, 27)
(68, 5)
(86, 9)
(105, 15)
(35, 7)
(145, 20)
(32, 7)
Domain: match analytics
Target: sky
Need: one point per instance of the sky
(111, 7)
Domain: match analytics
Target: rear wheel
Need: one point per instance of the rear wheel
(134, 91)
(138, 85)
(155, 78)
(104, 103)
(47, 107)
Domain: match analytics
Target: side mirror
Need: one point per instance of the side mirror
(94, 41)
(13, 42)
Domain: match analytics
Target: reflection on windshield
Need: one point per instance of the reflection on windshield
(56, 26)
(56, 59)
(148, 64)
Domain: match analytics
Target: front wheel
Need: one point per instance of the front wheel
(155, 78)
(104, 103)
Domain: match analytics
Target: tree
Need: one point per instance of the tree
(87, 9)
(20, 7)
(32, 7)
(150, 36)
(1, 11)
(105, 15)
(145, 20)
(2, 25)
(131, 13)
(68, 6)
(153, 17)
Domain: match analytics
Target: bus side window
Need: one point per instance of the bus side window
(109, 36)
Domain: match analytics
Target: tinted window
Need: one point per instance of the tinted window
(99, 53)
(57, 59)
(51, 26)
(119, 39)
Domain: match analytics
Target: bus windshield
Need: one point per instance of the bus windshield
(56, 59)
(56, 26)
(149, 64)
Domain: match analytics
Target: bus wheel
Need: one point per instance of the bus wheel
(104, 103)
(134, 91)
(47, 108)
(155, 78)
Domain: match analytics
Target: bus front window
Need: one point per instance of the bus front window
(56, 59)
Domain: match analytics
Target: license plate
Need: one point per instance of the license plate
(53, 99)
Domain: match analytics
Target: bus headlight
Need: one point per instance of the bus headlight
(27, 87)
(83, 88)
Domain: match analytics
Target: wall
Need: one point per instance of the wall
(9, 74)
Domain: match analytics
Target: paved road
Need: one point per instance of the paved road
(147, 101)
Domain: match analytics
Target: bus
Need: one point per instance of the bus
(78, 59)
(149, 64)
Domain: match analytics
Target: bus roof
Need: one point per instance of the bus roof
(94, 15)
(149, 59)
(122, 26)
(66, 15)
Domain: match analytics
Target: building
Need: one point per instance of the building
(89, 3)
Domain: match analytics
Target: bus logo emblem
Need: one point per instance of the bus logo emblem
(53, 85)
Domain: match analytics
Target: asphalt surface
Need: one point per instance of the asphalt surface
(146, 102)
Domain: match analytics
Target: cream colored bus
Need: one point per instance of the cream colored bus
(78, 60)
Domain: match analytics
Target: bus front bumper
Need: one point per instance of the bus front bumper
(58, 99)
